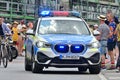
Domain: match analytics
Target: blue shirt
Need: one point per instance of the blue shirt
(5, 29)
(1, 30)
(112, 27)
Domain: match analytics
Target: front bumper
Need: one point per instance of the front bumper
(47, 61)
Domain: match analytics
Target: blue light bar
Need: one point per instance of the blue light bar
(59, 13)
(75, 14)
(44, 13)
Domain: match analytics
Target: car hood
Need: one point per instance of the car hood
(67, 38)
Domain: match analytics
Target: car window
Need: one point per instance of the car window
(63, 27)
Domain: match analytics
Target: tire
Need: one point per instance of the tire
(5, 62)
(14, 52)
(82, 69)
(95, 69)
(4, 56)
(10, 58)
(0, 57)
(36, 68)
(28, 67)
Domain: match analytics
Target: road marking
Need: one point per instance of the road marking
(116, 78)
(102, 77)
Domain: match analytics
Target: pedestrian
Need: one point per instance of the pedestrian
(118, 44)
(9, 25)
(116, 21)
(95, 27)
(104, 34)
(30, 25)
(15, 35)
(112, 39)
(22, 29)
(91, 27)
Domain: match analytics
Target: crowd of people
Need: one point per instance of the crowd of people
(17, 31)
(109, 38)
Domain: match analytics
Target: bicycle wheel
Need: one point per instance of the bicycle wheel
(5, 62)
(4, 56)
(14, 52)
(0, 57)
(10, 58)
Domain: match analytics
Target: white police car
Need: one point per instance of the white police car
(61, 39)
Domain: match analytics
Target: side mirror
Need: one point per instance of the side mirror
(30, 32)
(96, 33)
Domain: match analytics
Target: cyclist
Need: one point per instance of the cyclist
(4, 30)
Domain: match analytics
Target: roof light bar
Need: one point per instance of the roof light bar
(59, 13)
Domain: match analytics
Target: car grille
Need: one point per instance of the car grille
(65, 48)
(60, 61)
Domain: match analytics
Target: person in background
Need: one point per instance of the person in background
(15, 35)
(22, 29)
(116, 22)
(91, 28)
(9, 25)
(95, 27)
(30, 25)
(118, 44)
(112, 39)
(104, 34)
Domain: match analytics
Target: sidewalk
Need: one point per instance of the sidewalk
(110, 74)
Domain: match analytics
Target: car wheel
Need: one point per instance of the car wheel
(36, 68)
(82, 69)
(95, 69)
(28, 67)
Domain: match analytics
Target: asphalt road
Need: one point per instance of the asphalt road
(15, 71)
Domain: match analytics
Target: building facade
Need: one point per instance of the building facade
(90, 9)
(17, 9)
(28, 9)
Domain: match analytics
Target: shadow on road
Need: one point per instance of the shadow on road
(64, 72)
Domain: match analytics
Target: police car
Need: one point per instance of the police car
(61, 39)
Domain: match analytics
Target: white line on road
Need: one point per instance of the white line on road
(102, 77)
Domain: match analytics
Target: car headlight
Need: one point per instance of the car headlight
(94, 45)
(42, 44)
(39, 44)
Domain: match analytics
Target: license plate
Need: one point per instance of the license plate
(70, 57)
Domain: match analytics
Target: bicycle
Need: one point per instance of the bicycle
(12, 51)
(3, 51)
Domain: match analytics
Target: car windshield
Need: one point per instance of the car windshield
(57, 26)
